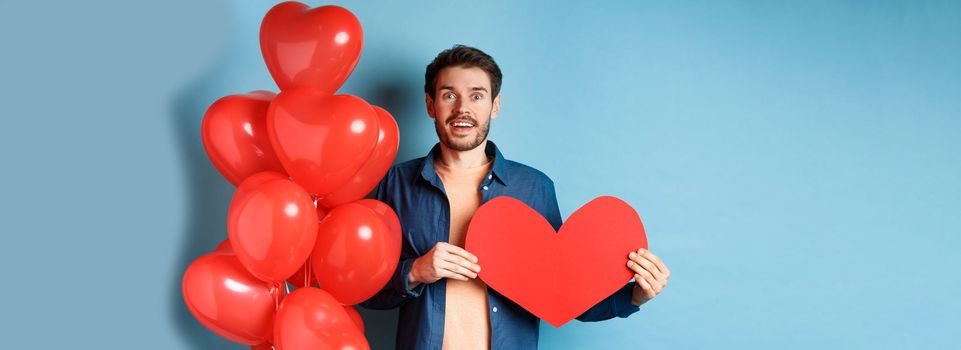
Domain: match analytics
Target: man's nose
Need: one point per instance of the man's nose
(460, 107)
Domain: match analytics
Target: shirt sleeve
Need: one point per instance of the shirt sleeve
(617, 305)
(397, 290)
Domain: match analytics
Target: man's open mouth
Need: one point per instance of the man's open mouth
(461, 125)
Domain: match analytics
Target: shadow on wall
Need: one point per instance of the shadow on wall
(208, 197)
(396, 84)
(209, 194)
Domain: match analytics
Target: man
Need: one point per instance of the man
(443, 303)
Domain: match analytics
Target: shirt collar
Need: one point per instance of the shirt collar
(499, 169)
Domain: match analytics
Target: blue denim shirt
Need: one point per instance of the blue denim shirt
(417, 194)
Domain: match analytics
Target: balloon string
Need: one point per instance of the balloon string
(276, 291)
(307, 273)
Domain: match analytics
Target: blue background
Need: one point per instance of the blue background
(796, 163)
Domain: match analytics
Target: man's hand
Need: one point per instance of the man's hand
(445, 260)
(650, 273)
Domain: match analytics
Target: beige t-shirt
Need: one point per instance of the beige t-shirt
(466, 321)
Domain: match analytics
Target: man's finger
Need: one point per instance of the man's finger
(459, 270)
(657, 262)
(631, 264)
(645, 287)
(444, 273)
(460, 261)
(453, 249)
(652, 282)
(451, 275)
(647, 265)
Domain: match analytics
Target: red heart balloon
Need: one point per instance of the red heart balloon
(255, 180)
(356, 252)
(555, 275)
(310, 318)
(321, 140)
(385, 212)
(272, 226)
(224, 248)
(310, 48)
(304, 277)
(229, 301)
(234, 133)
(388, 139)
(355, 316)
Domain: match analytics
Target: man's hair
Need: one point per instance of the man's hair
(465, 57)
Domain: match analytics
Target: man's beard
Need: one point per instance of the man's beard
(461, 145)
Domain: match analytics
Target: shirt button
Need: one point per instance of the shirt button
(495, 309)
(490, 176)
(485, 188)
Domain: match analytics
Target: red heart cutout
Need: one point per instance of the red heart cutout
(555, 275)
(234, 133)
(322, 140)
(310, 48)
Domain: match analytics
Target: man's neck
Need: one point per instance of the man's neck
(463, 159)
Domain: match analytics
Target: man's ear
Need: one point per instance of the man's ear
(497, 106)
(430, 105)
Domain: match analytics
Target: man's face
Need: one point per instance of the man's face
(463, 107)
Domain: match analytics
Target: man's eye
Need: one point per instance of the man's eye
(478, 97)
(449, 96)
